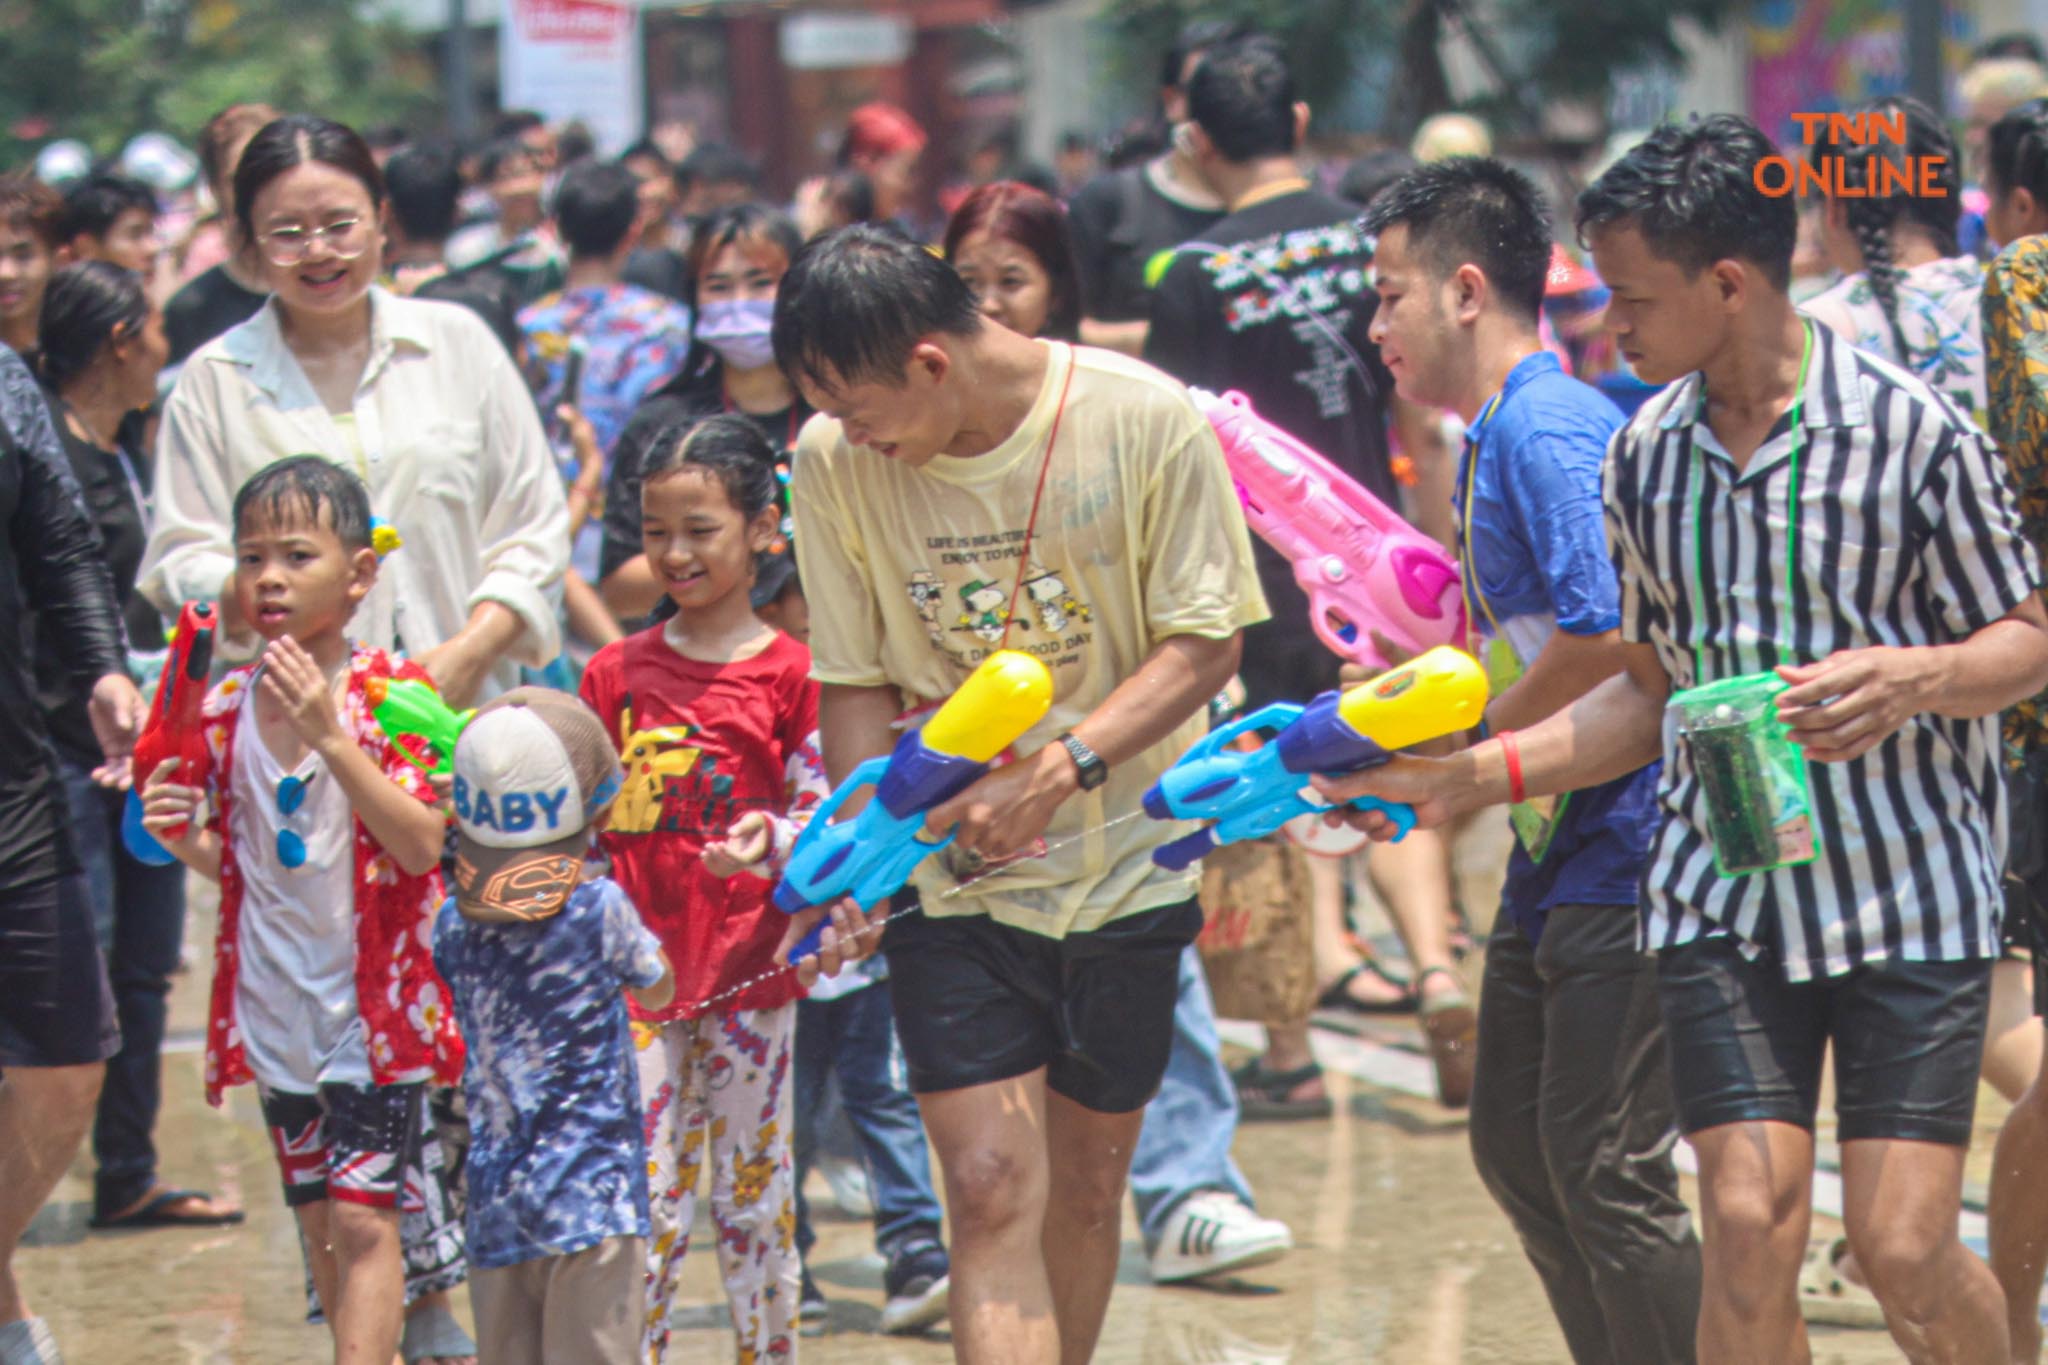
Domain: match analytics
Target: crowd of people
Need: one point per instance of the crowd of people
(703, 501)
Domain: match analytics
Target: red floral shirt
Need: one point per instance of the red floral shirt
(403, 1001)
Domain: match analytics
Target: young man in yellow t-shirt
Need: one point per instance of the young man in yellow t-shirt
(964, 487)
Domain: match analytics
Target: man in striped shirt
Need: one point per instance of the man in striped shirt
(1789, 503)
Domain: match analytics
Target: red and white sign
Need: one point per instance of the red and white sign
(575, 59)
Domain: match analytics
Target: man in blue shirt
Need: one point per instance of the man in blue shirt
(1572, 1113)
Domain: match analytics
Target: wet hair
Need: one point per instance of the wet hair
(82, 307)
(714, 163)
(596, 206)
(1474, 209)
(1690, 190)
(28, 205)
(755, 225)
(730, 447)
(575, 143)
(1876, 205)
(93, 205)
(510, 123)
(2024, 46)
(236, 123)
(877, 130)
(1036, 222)
(1195, 39)
(856, 303)
(1366, 178)
(1242, 96)
(312, 487)
(425, 185)
(295, 140)
(2016, 152)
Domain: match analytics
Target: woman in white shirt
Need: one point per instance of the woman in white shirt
(415, 396)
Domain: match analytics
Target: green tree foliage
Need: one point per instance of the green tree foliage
(1549, 49)
(104, 70)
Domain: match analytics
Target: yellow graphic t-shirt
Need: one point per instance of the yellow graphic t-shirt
(910, 573)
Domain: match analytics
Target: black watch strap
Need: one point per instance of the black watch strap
(1094, 772)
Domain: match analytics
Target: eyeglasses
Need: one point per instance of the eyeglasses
(347, 239)
(291, 794)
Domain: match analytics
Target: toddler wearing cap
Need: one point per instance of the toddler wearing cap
(537, 957)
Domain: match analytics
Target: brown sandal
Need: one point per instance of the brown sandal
(1451, 1027)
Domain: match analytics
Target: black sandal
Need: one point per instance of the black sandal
(1338, 996)
(1264, 1094)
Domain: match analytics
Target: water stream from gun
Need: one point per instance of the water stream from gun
(945, 895)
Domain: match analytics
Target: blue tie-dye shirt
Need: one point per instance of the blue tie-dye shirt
(557, 1162)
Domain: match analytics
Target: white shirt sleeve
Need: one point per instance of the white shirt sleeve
(525, 533)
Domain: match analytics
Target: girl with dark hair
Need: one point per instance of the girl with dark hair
(224, 275)
(1908, 292)
(684, 823)
(2016, 174)
(736, 263)
(101, 347)
(1010, 243)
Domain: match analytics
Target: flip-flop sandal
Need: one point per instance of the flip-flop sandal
(156, 1212)
(1264, 1094)
(434, 1334)
(1451, 1027)
(1829, 1298)
(27, 1341)
(1339, 998)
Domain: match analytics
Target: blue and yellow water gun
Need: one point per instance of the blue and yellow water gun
(870, 856)
(1248, 795)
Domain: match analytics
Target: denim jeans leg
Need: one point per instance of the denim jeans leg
(874, 1087)
(1184, 1146)
(811, 1066)
(94, 839)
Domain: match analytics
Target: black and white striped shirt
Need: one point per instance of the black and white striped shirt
(1908, 535)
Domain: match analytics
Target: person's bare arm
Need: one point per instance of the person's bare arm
(1611, 731)
(631, 590)
(460, 663)
(1003, 812)
(1852, 701)
(661, 992)
(1567, 668)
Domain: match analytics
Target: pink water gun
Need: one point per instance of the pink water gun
(1363, 568)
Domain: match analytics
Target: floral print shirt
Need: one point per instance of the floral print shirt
(1939, 315)
(403, 1000)
(2016, 371)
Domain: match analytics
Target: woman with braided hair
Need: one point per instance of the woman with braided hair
(1908, 293)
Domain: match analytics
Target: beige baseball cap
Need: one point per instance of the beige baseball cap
(532, 769)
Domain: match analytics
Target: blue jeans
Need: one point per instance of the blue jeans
(853, 1039)
(138, 914)
(1184, 1147)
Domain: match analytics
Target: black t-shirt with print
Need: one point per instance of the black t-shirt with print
(1120, 221)
(1280, 314)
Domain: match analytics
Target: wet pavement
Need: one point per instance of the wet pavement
(1401, 1256)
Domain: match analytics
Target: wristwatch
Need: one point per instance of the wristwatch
(1094, 772)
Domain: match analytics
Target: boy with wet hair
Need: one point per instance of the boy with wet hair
(326, 842)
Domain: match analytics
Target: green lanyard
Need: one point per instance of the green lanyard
(1699, 516)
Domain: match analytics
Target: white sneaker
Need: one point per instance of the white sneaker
(1212, 1232)
(850, 1189)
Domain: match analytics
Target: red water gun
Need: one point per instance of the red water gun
(173, 729)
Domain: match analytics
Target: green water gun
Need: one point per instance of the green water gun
(422, 727)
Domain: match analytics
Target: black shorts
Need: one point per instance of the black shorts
(55, 1006)
(1746, 1045)
(349, 1142)
(1284, 661)
(978, 1002)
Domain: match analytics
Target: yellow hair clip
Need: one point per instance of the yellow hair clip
(384, 537)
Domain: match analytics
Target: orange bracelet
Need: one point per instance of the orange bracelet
(1512, 752)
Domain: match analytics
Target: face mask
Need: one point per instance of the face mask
(738, 330)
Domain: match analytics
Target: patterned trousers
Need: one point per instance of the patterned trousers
(712, 1090)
